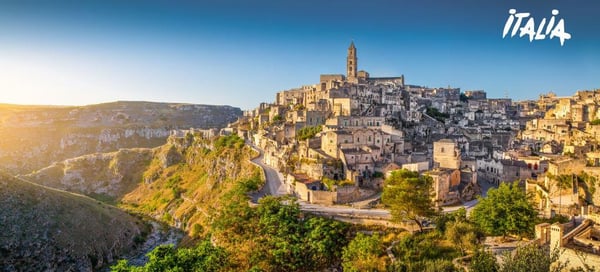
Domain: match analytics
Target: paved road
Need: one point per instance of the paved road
(274, 186)
(345, 210)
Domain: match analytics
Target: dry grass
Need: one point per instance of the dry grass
(44, 228)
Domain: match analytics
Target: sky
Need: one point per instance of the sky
(241, 53)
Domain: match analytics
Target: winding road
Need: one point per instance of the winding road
(274, 186)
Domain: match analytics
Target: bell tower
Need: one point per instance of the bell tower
(351, 63)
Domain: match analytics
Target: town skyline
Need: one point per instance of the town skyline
(85, 53)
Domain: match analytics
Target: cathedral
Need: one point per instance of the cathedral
(355, 76)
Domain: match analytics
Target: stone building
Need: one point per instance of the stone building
(476, 95)
(352, 64)
(446, 154)
(445, 185)
(578, 244)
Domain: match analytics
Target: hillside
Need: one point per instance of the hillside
(105, 176)
(45, 229)
(37, 136)
(180, 182)
(188, 178)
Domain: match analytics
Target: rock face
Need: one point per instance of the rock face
(37, 136)
(45, 229)
(176, 183)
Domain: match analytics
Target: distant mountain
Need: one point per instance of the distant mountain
(37, 136)
(44, 229)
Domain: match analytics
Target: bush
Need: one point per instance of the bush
(307, 132)
(433, 112)
(229, 141)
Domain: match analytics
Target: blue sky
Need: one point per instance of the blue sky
(241, 52)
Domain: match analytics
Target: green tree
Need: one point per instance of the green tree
(483, 261)
(123, 266)
(288, 241)
(364, 253)
(203, 257)
(409, 196)
(280, 234)
(464, 235)
(439, 265)
(588, 183)
(563, 182)
(532, 258)
(443, 219)
(323, 239)
(506, 210)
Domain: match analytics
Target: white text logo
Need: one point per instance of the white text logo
(543, 30)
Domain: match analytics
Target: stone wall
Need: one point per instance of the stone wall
(579, 259)
(347, 194)
(323, 197)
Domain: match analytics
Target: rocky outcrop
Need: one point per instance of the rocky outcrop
(49, 230)
(37, 136)
(177, 183)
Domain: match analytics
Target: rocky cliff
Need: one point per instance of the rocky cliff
(189, 178)
(37, 136)
(180, 183)
(45, 229)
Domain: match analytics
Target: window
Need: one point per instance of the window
(442, 150)
(369, 139)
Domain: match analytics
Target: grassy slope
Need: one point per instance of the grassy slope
(104, 176)
(187, 193)
(47, 229)
(182, 183)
